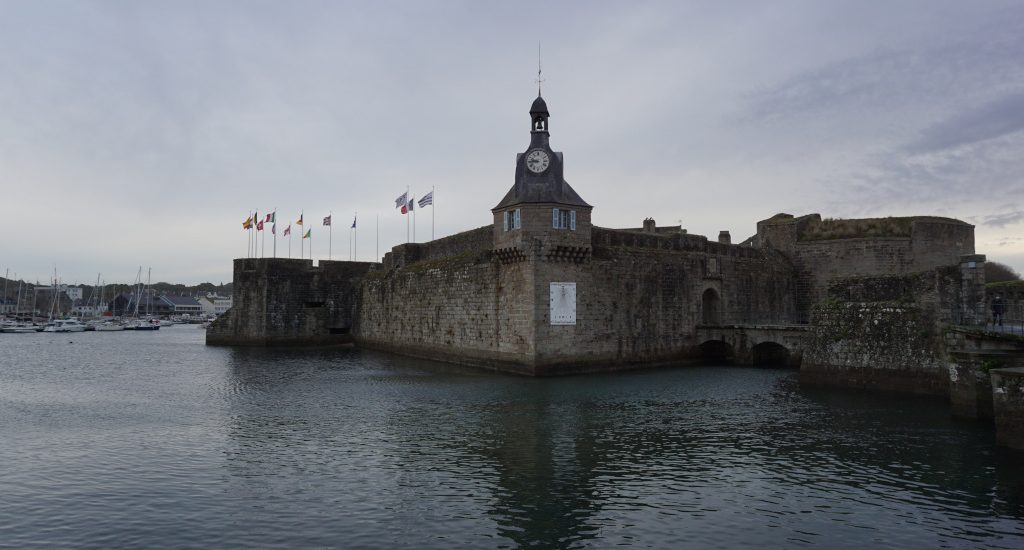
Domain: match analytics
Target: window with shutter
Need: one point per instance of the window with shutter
(505, 217)
(519, 220)
(554, 218)
(572, 220)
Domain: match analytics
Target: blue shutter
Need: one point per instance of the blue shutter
(572, 220)
(554, 218)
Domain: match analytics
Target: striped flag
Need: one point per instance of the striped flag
(247, 224)
(271, 217)
(308, 233)
(287, 231)
(300, 220)
(327, 220)
(401, 200)
(259, 226)
(426, 200)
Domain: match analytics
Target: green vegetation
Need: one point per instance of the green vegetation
(990, 364)
(831, 228)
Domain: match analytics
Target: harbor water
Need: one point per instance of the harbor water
(152, 439)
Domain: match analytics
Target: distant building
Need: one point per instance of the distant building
(214, 304)
(8, 305)
(182, 305)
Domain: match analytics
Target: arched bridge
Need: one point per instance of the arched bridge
(753, 344)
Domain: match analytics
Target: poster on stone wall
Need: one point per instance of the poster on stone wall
(563, 303)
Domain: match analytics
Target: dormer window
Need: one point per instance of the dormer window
(513, 220)
(562, 218)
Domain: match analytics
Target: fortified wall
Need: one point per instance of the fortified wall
(542, 291)
(826, 250)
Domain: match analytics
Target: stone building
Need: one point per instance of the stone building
(543, 291)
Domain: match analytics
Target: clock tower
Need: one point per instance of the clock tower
(541, 215)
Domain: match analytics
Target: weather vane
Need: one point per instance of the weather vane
(539, 79)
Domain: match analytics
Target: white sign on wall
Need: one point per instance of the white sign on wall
(563, 303)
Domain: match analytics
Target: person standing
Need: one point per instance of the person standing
(998, 307)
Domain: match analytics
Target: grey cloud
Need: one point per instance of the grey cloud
(997, 118)
(1004, 219)
(912, 77)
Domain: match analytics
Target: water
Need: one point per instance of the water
(154, 440)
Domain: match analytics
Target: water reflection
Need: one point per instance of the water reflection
(567, 462)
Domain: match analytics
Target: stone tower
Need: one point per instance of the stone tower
(541, 215)
(542, 237)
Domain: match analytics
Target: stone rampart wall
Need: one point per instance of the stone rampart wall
(463, 308)
(891, 346)
(474, 241)
(280, 301)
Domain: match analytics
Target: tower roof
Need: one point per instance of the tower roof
(539, 107)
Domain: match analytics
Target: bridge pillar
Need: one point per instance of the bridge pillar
(1008, 406)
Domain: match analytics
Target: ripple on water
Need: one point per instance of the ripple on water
(156, 440)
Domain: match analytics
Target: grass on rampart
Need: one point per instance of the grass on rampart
(831, 228)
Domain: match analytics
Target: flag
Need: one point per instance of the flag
(255, 217)
(300, 220)
(259, 226)
(247, 224)
(400, 201)
(287, 230)
(353, 222)
(405, 208)
(271, 217)
(426, 200)
(327, 220)
(308, 231)
(412, 204)
(273, 229)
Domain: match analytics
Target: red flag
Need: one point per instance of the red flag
(259, 226)
(405, 208)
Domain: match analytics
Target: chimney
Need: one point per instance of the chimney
(649, 226)
(724, 238)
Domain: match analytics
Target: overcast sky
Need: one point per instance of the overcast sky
(138, 133)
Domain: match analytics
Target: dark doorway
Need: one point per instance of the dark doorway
(709, 307)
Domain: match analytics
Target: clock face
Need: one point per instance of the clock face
(537, 161)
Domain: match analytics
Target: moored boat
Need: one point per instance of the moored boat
(65, 325)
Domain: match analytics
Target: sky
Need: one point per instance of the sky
(139, 133)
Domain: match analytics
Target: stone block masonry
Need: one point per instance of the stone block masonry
(290, 302)
(1008, 405)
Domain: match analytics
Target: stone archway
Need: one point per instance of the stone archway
(770, 354)
(709, 307)
(716, 352)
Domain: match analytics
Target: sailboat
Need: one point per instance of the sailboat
(147, 323)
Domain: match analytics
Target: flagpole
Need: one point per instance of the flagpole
(432, 209)
(302, 235)
(377, 252)
(274, 230)
(355, 239)
(407, 213)
(263, 245)
(330, 234)
(289, 241)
